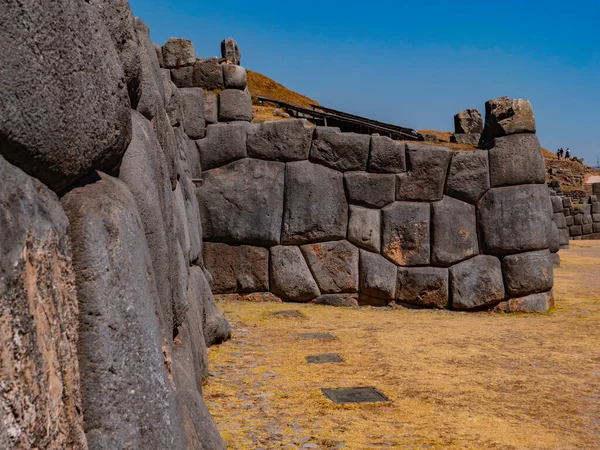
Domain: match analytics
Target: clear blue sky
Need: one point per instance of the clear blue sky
(413, 63)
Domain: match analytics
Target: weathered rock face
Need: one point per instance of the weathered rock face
(222, 144)
(230, 51)
(387, 155)
(528, 273)
(283, 140)
(237, 269)
(504, 116)
(350, 300)
(290, 275)
(40, 403)
(377, 276)
(469, 176)
(426, 175)
(466, 138)
(88, 131)
(340, 151)
(405, 233)
(468, 121)
(364, 228)
(215, 327)
(517, 159)
(372, 190)
(211, 108)
(530, 303)
(235, 105)
(423, 286)
(334, 266)
(178, 52)
(193, 112)
(234, 77)
(476, 283)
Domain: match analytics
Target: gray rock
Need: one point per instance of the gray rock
(427, 167)
(423, 286)
(466, 138)
(567, 202)
(555, 260)
(476, 283)
(159, 56)
(290, 276)
(528, 273)
(563, 236)
(514, 219)
(576, 230)
(337, 300)
(211, 108)
(118, 308)
(559, 220)
(223, 144)
(387, 155)
(173, 100)
(468, 121)
(208, 74)
(553, 238)
(192, 155)
(595, 218)
(504, 116)
(282, 140)
(235, 105)
(596, 207)
(178, 52)
(469, 175)
(516, 160)
(181, 222)
(595, 228)
(570, 221)
(587, 219)
(454, 232)
(405, 231)
(40, 395)
(340, 151)
(216, 328)
(557, 204)
(193, 112)
(234, 77)
(243, 202)
(532, 303)
(192, 330)
(364, 228)
(370, 189)
(194, 221)
(587, 228)
(377, 276)
(315, 204)
(430, 137)
(578, 219)
(179, 280)
(151, 86)
(334, 266)
(230, 51)
(365, 300)
(183, 76)
(237, 269)
(54, 124)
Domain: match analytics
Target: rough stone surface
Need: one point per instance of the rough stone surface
(282, 140)
(559, 220)
(193, 112)
(234, 77)
(88, 131)
(377, 276)
(211, 108)
(575, 230)
(423, 286)
(504, 116)
(505, 227)
(426, 175)
(230, 51)
(466, 138)
(557, 204)
(216, 328)
(183, 76)
(334, 266)
(290, 276)
(387, 155)
(372, 190)
(40, 403)
(476, 283)
(531, 303)
(468, 121)
(173, 99)
(364, 228)
(178, 52)
(405, 230)
(315, 204)
(454, 232)
(207, 74)
(222, 144)
(469, 175)
(237, 269)
(337, 300)
(528, 273)
(516, 160)
(243, 202)
(340, 151)
(235, 105)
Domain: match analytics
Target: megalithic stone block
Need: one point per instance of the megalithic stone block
(235, 105)
(469, 176)
(528, 273)
(505, 116)
(340, 151)
(426, 176)
(468, 121)
(476, 283)
(423, 286)
(291, 278)
(405, 233)
(334, 266)
(517, 159)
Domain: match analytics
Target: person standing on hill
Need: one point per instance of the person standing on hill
(558, 153)
(568, 155)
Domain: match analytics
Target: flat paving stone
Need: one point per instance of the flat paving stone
(325, 358)
(355, 395)
(289, 313)
(317, 336)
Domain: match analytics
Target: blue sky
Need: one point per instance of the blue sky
(415, 64)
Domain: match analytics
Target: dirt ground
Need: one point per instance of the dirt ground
(455, 380)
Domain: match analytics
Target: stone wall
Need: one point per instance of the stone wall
(581, 221)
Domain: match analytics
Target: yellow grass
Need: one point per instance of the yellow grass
(456, 380)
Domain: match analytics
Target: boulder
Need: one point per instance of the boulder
(557, 204)
(178, 52)
(230, 51)
(405, 233)
(223, 144)
(531, 303)
(476, 283)
(334, 266)
(282, 140)
(504, 116)
(576, 230)
(570, 221)
(559, 220)
(528, 273)
(315, 204)
(516, 160)
(215, 327)
(454, 232)
(465, 138)
(387, 155)
(340, 151)
(290, 276)
(211, 108)
(159, 56)
(237, 269)
(377, 276)
(234, 77)
(469, 175)
(54, 124)
(193, 112)
(350, 300)
(364, 228)
(372, 190)
(39, 375)
(468, 121)
(423, 286)
(430, 137)
(243, 202)
(235, 105)
(426, 176)
(514, 219)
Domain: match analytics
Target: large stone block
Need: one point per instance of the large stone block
(173, 99)
(372, 190)
(334, 266)
(454, 232)
(290, 276)
(468, 121)
(234, 77)
(570, 221)
(56, 126)
(476, 283)
(387, 155)
(237, 269)
(516, 160)
(230, 51)
(243, 202)
(557, 204)
(235, 105)
(364, 228)
(427, 167)
(282, 140)
(178, 52)
(40, 400)
(553, 238)
(515, 219)
(223, 144)
(211, 108)
(559, 220)
(192, 100)
(587, 228)
(576, 230)
(340, 151)
(469, 176)
(208, 74)
(466, 138)
(504, 116)
(315, 204)
(528, 273)
(531, 303)
(377, 276)
(423, 286)
(215, 327)
(405, 233)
